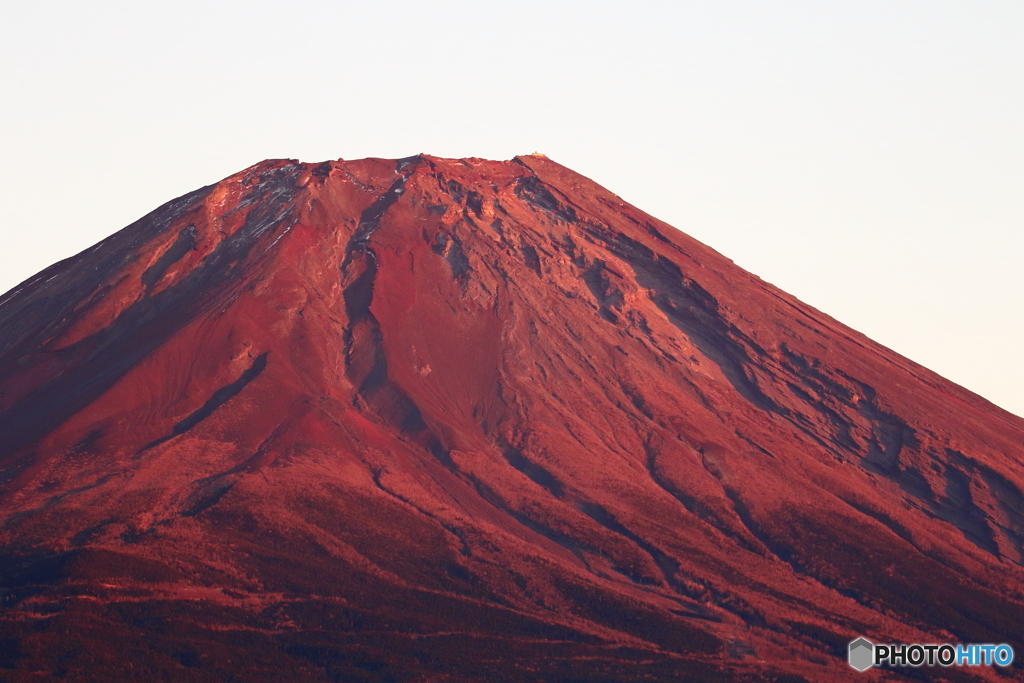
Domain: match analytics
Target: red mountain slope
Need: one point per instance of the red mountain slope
(463, 420)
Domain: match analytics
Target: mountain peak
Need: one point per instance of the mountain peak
(471, 419)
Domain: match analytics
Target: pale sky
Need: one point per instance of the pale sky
(866, 156)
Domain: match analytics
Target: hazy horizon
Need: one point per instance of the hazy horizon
(864, 157)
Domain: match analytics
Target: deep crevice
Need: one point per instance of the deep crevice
(694, 506)
(365, 362)
(536, 473)
(185, 242)
(695, 312)
(219, 398)
(532, 190)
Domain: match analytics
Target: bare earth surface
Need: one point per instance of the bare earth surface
(464, 420)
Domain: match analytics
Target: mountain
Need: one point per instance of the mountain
(468, 420)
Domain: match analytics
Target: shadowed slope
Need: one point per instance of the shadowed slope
(459, 420)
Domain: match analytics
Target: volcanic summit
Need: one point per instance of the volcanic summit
(468, 420)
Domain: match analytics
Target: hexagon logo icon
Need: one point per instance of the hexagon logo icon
(862, 654)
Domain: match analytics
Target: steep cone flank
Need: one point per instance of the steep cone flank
(462, 420)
